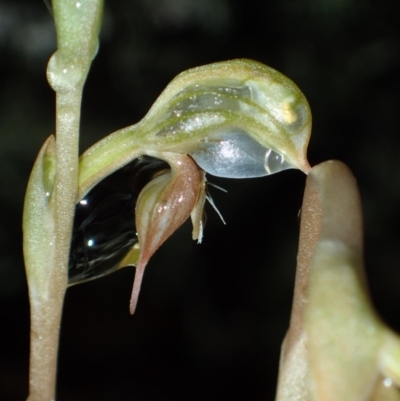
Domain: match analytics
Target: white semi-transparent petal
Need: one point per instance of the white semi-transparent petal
(235, 154)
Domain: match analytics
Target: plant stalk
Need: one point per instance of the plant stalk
(46, 309)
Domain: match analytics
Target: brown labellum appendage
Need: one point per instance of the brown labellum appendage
(164, 204)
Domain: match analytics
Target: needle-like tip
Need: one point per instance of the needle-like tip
(136, 286)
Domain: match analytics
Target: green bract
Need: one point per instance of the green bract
(38, 222)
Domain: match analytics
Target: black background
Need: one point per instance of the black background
(211, 317)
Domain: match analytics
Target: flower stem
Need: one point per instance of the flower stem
(45, 328)
(46, 308)
(52, 190)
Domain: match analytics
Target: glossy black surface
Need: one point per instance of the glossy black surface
(104, 226)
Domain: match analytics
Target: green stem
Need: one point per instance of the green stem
(52, 190)
(46, 309)
(66, 179)
(45, 329)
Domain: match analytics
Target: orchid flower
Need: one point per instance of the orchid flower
(236, 119)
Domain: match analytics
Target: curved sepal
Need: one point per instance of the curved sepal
(164, 204)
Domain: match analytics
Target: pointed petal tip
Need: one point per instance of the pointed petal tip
(137, 283)
(132, 308)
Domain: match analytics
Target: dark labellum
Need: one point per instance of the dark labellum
(104, 225)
